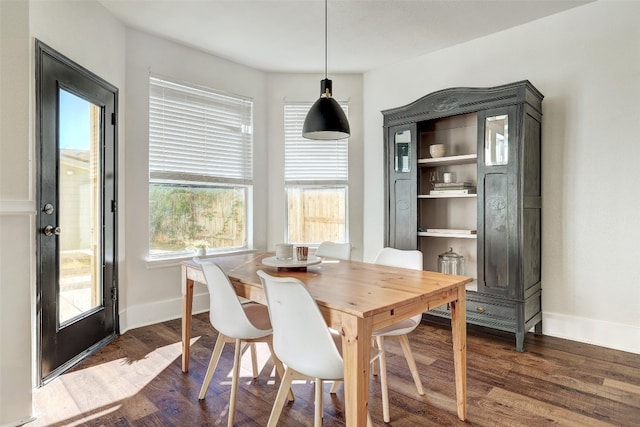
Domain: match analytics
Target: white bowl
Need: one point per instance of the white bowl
(437, 150)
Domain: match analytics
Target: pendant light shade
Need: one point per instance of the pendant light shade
(326, 119)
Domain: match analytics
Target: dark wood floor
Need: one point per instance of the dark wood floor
(137, 381)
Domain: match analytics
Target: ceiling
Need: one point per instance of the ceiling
(288, 35)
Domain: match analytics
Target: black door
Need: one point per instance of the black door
(76, 222)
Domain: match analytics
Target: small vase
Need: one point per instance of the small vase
(201, 251)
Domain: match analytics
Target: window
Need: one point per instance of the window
(200, 168)
(316, 182)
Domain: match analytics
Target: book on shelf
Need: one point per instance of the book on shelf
(452, 185)
(453, 192)
(453, 188)
(451, 231)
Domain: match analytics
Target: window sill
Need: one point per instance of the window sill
(177, 260)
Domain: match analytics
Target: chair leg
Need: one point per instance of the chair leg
(285, 386)
(404, 343)
(384, 387)
(334, 387)
(319, 405)
(376, 363)
(234, 383)
(215, 356)
(280, 370)
(254, 357)
(254, 360)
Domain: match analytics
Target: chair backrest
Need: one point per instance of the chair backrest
(301, 338)
(334, 250)
(225, 310)
(400, 258)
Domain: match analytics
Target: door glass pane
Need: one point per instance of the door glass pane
(496, 140)
(79, 207)
(402, 151)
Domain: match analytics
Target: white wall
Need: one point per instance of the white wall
(150, 291)
(306, 87)
(86, 33)
(16, 215)
(586, 61)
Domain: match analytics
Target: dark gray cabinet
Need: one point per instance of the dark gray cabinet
(492, 138)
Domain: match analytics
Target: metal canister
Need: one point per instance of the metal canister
(451, 263)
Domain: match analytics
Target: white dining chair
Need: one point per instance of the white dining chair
(236, 323)
(334, 250)
(411, 259)
(302, 340)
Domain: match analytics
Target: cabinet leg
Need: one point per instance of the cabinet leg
(538, 328)
(520, 341)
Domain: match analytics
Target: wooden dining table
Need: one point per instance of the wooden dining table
(355, 299)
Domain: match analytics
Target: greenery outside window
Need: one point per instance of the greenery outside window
(316, 182)
(200, 169)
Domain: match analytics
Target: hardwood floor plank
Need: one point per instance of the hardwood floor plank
(137, 381)
(531, 408)
(55, 402)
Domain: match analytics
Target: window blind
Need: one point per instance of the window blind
(311, 161)
(198, 134)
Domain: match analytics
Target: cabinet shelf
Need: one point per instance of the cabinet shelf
(454, 233)
(446, 196)
(449, 160)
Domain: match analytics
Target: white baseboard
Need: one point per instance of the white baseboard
(19, 422)
(160, 311)
(597, 332)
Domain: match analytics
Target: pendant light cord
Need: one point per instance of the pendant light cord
(325, 39)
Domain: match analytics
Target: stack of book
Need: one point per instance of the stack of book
(453, 188)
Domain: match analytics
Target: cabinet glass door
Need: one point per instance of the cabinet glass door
(496, 140)
(402, 141)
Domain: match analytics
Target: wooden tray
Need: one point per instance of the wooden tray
(291, 264)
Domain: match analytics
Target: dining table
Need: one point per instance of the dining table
(355, 298)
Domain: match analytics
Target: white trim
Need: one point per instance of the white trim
(161, 311)
(178, 259)
(590, 331)
(17, 207)
(617, 336)
(20, 422)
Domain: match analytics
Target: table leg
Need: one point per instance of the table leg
(187, 310)
(356, 346)
(459, 334)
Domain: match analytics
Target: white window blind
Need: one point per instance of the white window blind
(198, 134)
(311, 161)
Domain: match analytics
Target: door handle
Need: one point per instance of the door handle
(50, 230)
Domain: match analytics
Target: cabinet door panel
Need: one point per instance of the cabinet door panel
(498, 207)
(401, 174)
(496, 231)
(404, 215)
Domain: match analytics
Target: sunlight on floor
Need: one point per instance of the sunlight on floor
(125, 377)
(107, 385)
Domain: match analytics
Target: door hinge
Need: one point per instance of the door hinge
(114, 293)
(114, 206)
(113, 119)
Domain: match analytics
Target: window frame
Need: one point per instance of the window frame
(319, 182)
(221, 113)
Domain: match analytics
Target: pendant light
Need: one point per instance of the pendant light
(326, 119)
